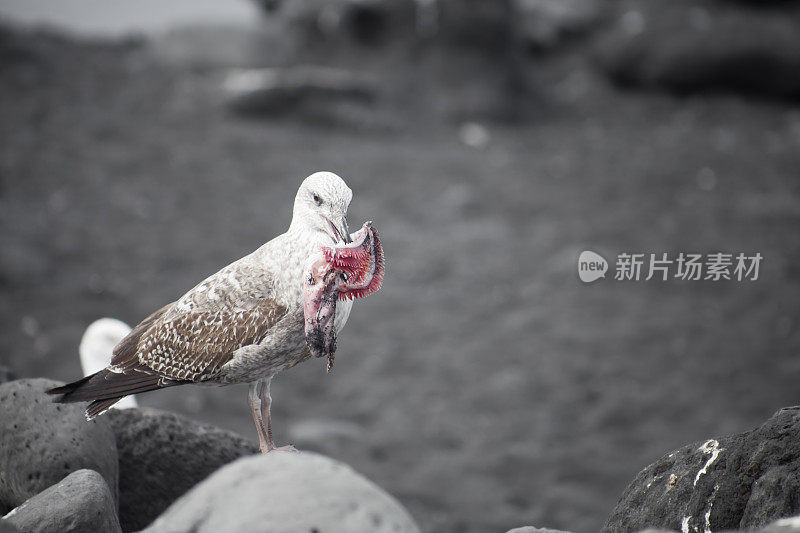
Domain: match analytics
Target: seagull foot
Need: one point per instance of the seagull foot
(287, 448)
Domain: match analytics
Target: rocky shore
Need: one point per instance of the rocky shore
(133, 470)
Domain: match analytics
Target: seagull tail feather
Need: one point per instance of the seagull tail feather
(105, 388)
(69, 388)
(99, 407)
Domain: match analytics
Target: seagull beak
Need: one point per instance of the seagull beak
(339, 233)
(345, 231)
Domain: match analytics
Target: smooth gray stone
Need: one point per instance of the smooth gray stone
(531, 529)
(80, 503)
(286, 492)
(8, 527)
(784, 525)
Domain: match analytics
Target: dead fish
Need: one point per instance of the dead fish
(344, 270)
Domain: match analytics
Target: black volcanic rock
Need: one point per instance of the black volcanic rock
(79, 503)
(707, 48)
(737, 482)
(163, 455)
(41, 442)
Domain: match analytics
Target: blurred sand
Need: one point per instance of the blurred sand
(485, 386)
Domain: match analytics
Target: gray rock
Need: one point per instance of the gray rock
(739, 482)
(7, 527)
(41, 442)
(704, 46)
(545, 24)
(162, 456)
(286, 492)
(6, 374)
(784, 525)
(326, 23)
(303, 90)
(79, 503)
(477, 24)
(531, 529)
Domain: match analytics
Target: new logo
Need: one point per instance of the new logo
(591, 266)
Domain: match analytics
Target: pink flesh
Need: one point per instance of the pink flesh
(344, 270)
(362, 261)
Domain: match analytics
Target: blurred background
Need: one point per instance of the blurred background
(145, 146)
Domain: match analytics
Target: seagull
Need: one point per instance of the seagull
(95, 349)
(248, 321)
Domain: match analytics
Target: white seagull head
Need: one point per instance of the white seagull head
(321, 206)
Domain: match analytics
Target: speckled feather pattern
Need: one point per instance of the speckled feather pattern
(241, 324)
(244, 323)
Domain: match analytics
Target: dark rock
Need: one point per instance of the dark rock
(79, 503)
(764, 4)
(485, 25)
(784, 525)
(41, 442)
(6, 374)
(162, 456)
(773, 494)
(545, 24)
(307, 90)
(707, 48)
(376, 23)
(737, 482)
(340, 22)
(478, 62)
(15, 49)
(531, 529)
(290, 492)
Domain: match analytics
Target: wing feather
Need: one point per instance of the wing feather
(189, 340)
(194, 345)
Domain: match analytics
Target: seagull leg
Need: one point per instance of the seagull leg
(258, 397)
(260, 401)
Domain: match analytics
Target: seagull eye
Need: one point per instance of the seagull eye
(317, 199)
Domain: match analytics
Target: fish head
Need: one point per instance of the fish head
(344, 270)
(361, 261)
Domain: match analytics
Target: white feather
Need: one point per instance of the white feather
(95, 349)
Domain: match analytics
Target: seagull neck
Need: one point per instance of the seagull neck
(301, 233)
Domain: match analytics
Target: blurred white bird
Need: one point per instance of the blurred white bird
(97, 343)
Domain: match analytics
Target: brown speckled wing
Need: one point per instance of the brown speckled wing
(194, 344)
